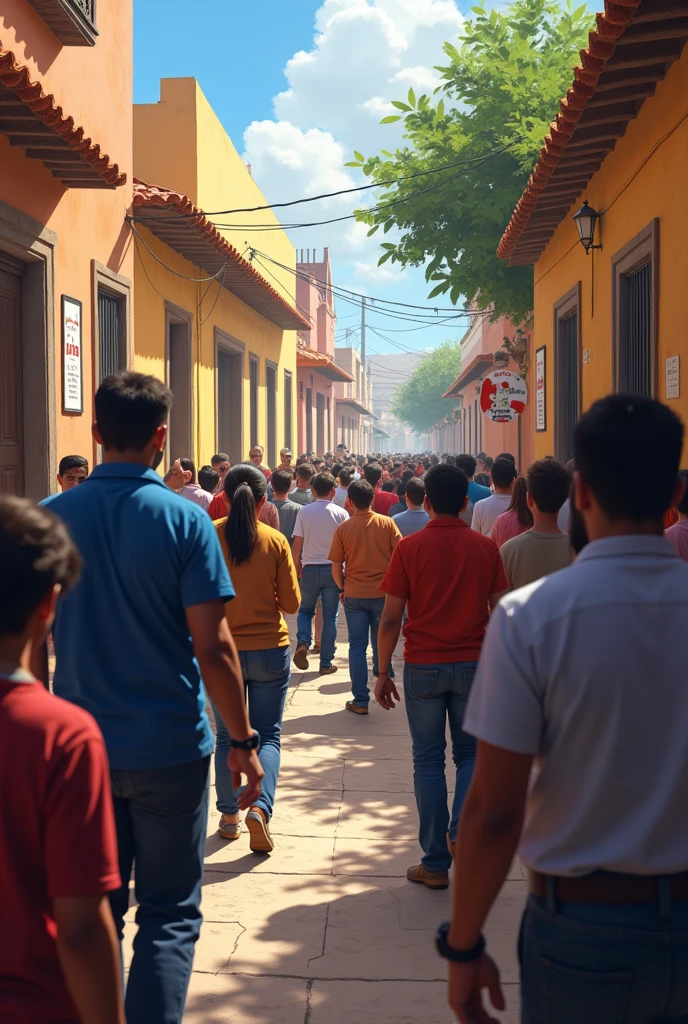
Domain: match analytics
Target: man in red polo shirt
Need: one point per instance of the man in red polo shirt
(450, 576)
(383, 500)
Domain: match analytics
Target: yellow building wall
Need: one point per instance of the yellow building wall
(633, 186)
(179, 143)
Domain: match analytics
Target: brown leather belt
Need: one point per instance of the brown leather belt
(607, 887)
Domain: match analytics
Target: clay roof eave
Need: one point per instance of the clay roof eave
(173, 218)
(357, 406)
(470, 373)
(34, 121)
(634, 44)
(320, 362)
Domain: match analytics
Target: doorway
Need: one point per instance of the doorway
(179, 379)
(309, 419)
(271, 389)
(11, 378)
(319, 423)
(230, 393)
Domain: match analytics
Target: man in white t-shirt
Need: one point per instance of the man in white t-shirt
(583, 675)
(486, 510)
(343, 480)
(313, 532)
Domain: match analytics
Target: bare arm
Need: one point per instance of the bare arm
(287, 585)
(338, 574)
(387, 639)
(88, 950)
(219, 662)
(296, 549)
(221, 672)
(491, 822)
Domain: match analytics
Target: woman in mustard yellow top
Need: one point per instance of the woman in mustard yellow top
(264, 577)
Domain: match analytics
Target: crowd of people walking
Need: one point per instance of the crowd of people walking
(542, 620)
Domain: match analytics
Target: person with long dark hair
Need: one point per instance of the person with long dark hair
(264, 577)
(517, 519)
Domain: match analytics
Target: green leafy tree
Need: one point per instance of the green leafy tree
(502, 87)
(418, 401)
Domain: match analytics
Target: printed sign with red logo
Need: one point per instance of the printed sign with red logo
(503, 396)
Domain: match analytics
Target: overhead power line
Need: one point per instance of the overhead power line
(364, 188)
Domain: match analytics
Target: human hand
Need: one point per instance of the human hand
(466, 982)
(246, 762)
(385, 690)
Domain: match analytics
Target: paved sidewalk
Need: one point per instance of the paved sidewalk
(327, 930)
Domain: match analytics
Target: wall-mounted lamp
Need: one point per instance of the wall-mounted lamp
(586, 221)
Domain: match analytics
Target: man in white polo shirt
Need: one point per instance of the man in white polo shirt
(313, 533)
(583, 675)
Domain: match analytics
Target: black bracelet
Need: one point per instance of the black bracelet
(457, 956)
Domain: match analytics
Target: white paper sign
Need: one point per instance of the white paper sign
(672, 377)
(503, 396)
(72, 383)
(540, 390)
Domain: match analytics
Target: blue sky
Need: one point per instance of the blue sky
(298, 84)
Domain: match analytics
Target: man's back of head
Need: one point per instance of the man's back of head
(467, 463)
(618, 434)
(345, 477)
(548, 485)
(415, 493)
(130, 407)
(281, 481)
(323, 485)
(304, 474)
(361, 495)
(372, 473)
(446, 489)
(503, 475)
(208, 478)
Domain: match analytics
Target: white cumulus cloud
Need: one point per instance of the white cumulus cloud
(364, 54)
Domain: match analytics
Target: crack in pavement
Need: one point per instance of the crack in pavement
(324, 941)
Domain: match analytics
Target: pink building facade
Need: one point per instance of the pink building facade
(466, 428)
(318, 374)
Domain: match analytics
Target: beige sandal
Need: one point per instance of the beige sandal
(229, 830)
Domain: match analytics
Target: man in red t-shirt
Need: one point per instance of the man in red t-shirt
(383, 500)
(449, 577)
(59, 954)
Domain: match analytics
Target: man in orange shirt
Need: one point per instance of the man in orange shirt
(365, 543)
(449, 575)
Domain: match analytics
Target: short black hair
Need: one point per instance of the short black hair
(129, 409)
(482, 479)
(220, 457)
(346, 475)
(407, 475)
(446, 488)
(72, 462)
(36, 553)
(613, 438)
(305, 471)
(503, 472)
(415, 491)
(323, 484)
(281, 481)
(208, 478)
(189, 467)
(682, 506)
(361, 494)
(468, 464)
(506, 455)
(372, 473)
(388, 486)
(548, 485)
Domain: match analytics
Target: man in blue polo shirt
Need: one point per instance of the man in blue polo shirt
(132, 640)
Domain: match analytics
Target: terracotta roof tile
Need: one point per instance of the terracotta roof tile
(16, 78)
(320, 362)
(181, 225)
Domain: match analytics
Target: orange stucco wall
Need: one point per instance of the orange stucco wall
(633, 186)
(94, 86)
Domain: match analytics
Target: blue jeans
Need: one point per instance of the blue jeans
(604, 964)
(363, 616)
(317, 582)
(161, 817)
(433, 694)
(266, 677)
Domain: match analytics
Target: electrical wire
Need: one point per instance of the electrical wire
(363, 188)
(184, 277)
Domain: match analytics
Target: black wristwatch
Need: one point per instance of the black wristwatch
(340, 589)
(252, 743)
(457, 956)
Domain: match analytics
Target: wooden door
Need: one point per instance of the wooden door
(11, 411)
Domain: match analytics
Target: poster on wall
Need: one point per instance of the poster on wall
(503, 396)
(540, 389)
(72, 363)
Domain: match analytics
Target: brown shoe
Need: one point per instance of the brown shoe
(357, 709)
(328, 670)
(432, 879)
(259, 831)
(301, 657)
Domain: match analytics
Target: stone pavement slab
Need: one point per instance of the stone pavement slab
(389, 1002)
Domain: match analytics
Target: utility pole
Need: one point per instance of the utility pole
(363, 330)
